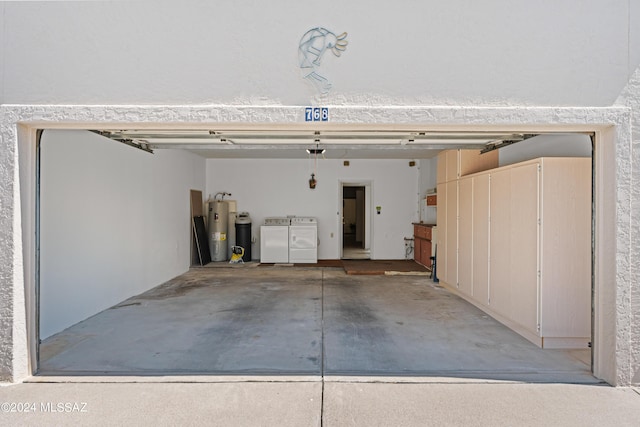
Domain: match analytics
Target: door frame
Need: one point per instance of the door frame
(368, 229)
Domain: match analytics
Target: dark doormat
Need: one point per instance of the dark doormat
(365, 266)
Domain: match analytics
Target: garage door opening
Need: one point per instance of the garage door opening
(112, 230)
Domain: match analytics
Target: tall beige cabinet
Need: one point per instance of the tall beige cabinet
(518, 245)
(453, 164)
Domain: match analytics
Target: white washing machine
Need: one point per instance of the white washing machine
(274, 240)
(303, 240)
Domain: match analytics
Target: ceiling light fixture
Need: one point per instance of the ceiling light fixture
(316, 150)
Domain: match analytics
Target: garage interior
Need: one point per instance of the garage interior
(110, 233)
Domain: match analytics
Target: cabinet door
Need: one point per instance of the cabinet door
(425, 248)
(441, 242)
(418, 231)
(452, 169)
(500, 242)
(417, 250)
(452, 233)
(441, 172)
(524, 245)
(472, 161)
(481, 238)
(466, 236)
(565, 251)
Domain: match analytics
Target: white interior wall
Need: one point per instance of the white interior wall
(269, 187)
(115, 221)
(428, 178)
(428, 175)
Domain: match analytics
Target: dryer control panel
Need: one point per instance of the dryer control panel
(304, 220)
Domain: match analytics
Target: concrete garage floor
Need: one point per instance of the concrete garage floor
(288, 321)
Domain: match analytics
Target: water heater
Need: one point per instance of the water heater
(231, 230)
(218, 229)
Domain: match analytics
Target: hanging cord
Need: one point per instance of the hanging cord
(315, 162)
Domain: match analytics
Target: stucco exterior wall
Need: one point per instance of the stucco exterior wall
(630, 97)
(8, 244)
(458, 52)
(529, 65)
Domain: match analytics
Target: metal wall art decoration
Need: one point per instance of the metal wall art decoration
(313, 45)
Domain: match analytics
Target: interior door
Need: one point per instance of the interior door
(360, 224)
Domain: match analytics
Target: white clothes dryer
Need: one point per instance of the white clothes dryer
(303, 240)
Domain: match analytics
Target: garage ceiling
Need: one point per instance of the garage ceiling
(279, 144)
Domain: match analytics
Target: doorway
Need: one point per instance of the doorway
(355, 224)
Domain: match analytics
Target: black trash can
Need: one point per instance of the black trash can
(243, 234)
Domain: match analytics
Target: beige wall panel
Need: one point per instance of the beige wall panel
(481, 238)
(465, 236)
(566, 248)
(524, 246)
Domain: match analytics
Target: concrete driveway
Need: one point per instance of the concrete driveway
(445, 402)
(306, 347)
